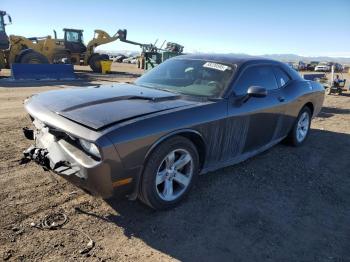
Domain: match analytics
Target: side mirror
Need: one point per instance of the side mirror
(256, 91)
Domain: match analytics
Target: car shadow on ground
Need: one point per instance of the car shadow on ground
(331, 111)
(287, 204)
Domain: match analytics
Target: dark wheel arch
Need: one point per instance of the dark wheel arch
(27, 56)
(194, 136)
(310, 106)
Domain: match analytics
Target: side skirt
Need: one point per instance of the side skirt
(240, 158)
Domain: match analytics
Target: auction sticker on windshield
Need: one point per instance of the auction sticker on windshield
(216, 66)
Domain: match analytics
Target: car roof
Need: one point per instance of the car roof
(240, 60)
(227, 58)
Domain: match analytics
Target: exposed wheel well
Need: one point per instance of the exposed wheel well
(197, 140)
(311, 107)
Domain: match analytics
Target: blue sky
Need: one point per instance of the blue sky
(310, 28)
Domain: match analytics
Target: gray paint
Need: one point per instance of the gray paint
(127, 122)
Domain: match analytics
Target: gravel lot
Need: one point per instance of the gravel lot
(287, 204)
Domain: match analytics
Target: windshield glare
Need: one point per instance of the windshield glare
(189, 77)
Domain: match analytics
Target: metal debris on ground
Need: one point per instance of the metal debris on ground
(52, 221)
(56, 221)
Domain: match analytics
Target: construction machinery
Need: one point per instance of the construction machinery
(16, 48)
(151, 55)
(72, 48)
(45, 50)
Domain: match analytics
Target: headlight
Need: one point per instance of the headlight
(90, 147)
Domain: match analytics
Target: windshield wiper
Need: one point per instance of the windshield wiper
(159, 88)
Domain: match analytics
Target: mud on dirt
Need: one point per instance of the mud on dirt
(287, 204)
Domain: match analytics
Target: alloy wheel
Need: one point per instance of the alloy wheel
(174, 174)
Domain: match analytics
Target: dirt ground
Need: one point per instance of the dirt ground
(287, 204)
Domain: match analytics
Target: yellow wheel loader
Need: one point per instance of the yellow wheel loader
(17, 49)
(44, 50)
(73, 49)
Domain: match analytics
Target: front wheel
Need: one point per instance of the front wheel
(33, 57)
(95, 62)
(169, 173)
(301, 128)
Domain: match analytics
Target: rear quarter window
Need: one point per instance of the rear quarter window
(291, 72)
(282, 77)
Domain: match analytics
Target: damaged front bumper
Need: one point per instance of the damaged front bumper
(41, 157)
(63, 156)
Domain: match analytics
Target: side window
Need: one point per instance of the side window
(281, 77)
(255, 76)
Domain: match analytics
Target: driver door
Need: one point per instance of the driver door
(261, 116)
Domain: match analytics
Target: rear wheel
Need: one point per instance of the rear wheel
(301, 128)
(95, 62)
(33, 58)
(169, 173)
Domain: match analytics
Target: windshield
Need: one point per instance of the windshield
(2, 27)
(189, 77)
(73, 36)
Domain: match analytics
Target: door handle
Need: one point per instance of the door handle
(281, 98)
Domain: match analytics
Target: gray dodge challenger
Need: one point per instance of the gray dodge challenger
(190, 115)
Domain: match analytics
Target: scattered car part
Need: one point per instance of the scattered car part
(56, 221)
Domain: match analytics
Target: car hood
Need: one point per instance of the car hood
(100, 107)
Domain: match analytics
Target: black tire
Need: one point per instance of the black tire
(292, 138)
(148, 193)
(95, 62)
(33, 58)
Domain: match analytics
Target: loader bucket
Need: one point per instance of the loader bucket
(42, 71)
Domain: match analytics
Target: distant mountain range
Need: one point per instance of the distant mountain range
(280, 57)
(293, 58)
